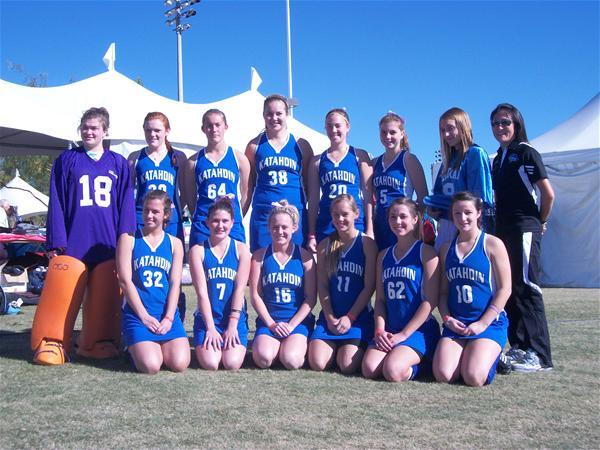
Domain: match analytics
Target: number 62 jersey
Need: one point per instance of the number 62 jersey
(91, 205)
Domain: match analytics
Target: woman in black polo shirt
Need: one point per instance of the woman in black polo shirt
(516, 173)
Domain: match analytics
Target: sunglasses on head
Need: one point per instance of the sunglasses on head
(503, 122)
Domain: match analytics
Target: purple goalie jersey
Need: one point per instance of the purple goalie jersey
(91, 205)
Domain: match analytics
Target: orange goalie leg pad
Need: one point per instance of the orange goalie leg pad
(57, 309)
(101, 329)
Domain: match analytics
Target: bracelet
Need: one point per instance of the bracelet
(494, 308)
(239, 311)
(231, 316)
(350, 316)
(446, 318)
(311, 236)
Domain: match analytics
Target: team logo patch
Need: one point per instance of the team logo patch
(513, 158)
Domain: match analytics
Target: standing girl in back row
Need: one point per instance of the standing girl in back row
(397, 173)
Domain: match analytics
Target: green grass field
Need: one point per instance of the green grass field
(90, 404)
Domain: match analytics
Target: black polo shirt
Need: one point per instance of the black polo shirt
(514, 176)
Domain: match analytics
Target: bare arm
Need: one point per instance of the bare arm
(323, 281)
(417, 177)
(255, 291)
(174, 284)
(313, 201)
(366, 174)
(250, 156)
(244, 167)
(196, 257)
(546, 198)
(307, 156)
(310, 290)
(190, 191)
(132, 160)
(380, 309)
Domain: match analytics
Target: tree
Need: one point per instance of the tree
(35, 169)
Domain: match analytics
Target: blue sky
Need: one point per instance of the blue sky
(415, 58)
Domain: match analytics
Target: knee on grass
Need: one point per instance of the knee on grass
(444, 375)
(475, 376)
(291, 360)
(397, 372)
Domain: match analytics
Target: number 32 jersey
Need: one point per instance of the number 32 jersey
(91, 205)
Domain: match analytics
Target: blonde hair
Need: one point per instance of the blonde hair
(465, 131)
(334, 249)
(283, 207)
(393, 117)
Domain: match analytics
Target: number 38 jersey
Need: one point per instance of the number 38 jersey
(470, 281)
(402, 286)
(91, 204)
(278, 174)
(150, 273)
(282, 284)
(214, 180)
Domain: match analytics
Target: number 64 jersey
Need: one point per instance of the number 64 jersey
(91, 205)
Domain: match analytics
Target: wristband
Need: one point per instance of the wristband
(350, 316)
(231, 316)
(233, 310)
(446, 318)
(311, 236)
(494, 308)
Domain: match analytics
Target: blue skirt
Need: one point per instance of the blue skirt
(134, 331)
(497, 331)
(362, 329)
(304, 328)
(424, 340)
(200, 330)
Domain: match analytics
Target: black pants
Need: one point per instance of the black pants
(528, 328)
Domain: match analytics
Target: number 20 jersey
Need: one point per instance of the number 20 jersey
(402, 286)
(91, 204)
(470, 281)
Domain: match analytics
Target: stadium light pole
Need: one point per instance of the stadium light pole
(180, 10)
(291, 101)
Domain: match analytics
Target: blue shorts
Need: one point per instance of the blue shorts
(134, 331)
(260, 235)
(497, 332)
(200, 329)
(424, 340)
(304, 328)
(361, 330)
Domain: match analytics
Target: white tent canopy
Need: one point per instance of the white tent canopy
(28, 200)
(571, 155)
(44, 120)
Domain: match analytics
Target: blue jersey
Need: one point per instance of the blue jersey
(402, 286)
(151, 268)
(389, 183)
(161, 175)
(213, 180)
(282, 284)
(470, 281)
(278, 174)
(220, 280)
(335, 178)
(349, 280)
(91, 205)
(473, 175)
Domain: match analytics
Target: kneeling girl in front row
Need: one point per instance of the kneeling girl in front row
(406, 333)
(220, 267)
(346, 280)
(283, 291)
(473, 291)
(149, 267)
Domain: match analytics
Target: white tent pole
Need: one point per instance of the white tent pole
(289, 54)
